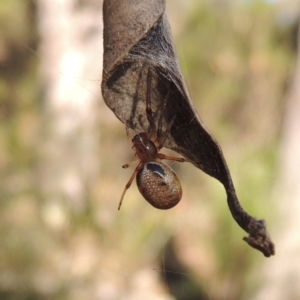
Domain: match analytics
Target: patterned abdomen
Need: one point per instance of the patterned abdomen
(159, 185)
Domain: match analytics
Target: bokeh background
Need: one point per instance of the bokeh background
(61, 152)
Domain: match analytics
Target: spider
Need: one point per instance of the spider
(156, 181)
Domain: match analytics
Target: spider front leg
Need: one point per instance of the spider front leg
(152, 127)
(159, 132)
(178, 159)
(139, 166)
(127, 127)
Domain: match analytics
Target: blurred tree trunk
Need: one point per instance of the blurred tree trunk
(282, 273)
(70, 68)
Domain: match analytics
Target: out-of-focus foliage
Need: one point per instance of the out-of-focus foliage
(18, 107)
(237, 60)
(19, 214)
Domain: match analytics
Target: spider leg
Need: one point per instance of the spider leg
(139, 166)
(160, 120)
(127, 130)
(162, 139)
(179, 159)
(152, 127)
(129, 164)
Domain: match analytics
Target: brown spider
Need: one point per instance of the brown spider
(156, 181)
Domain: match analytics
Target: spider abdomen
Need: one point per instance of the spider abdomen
(159, 185)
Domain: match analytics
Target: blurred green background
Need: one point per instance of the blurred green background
(61, 152)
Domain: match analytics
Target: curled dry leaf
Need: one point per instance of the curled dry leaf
(138, 40)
